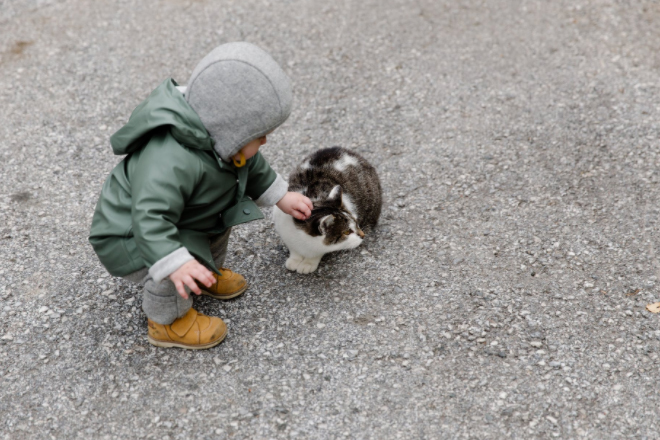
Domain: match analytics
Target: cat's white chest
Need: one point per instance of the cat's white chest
(295, 239)
(305, 251)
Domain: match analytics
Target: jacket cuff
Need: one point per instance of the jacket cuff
(274, 193)
(168, 264)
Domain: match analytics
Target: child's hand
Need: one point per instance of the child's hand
(187, 274)
(296, 204)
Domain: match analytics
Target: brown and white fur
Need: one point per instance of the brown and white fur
(347, 197)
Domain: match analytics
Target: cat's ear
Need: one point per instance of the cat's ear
(334, 198)
(325, 223)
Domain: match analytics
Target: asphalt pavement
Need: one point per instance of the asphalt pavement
(503, 294)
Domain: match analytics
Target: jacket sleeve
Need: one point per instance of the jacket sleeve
(162, 182)
(264, 186)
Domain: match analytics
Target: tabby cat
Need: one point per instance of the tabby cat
(347, 197)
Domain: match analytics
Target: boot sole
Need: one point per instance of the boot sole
(233, 295)
(169, 344)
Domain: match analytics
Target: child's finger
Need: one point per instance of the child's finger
(302, 208)
(208, 281)
(298, 215)
(305, 210)
(309, 203)
(199, 274)
(207, 272)
(201, 267)
(205, 277)
(192, 285)
(181, 290)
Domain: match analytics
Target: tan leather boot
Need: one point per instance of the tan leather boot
(228, 286)
(193, 331)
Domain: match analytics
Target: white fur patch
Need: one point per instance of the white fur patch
(326, 222)
(305, 165)
(334, 192)
(344, 162)
(348, 204)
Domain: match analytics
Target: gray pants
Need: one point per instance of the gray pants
(160, 301)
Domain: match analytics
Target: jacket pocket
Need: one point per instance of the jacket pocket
(242, 212)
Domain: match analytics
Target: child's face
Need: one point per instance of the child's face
(251, 148)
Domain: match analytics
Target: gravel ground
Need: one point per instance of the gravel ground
(502, 296)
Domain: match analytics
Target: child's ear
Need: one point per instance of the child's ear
(325, 223)
(334, 198)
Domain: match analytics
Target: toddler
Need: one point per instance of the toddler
(192, 171)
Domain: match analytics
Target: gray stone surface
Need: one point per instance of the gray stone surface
(503, 294)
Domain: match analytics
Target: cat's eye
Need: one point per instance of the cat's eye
(347, 232)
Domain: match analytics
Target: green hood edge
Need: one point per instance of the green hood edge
(165, 106)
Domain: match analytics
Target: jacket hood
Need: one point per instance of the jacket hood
(240, 93)
(165, 107)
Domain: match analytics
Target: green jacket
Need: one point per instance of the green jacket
(172, 190)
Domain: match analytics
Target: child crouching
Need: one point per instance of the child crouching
(192, 171)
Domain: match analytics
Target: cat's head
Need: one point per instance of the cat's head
(331, 220)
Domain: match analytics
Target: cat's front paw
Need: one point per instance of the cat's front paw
(293, 262)
(308, 265)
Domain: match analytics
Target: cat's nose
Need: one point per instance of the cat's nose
(360, 233)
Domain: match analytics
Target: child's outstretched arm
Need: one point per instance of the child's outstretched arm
(268, 188)
(296, 205)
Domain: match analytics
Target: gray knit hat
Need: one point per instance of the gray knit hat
(240, 93)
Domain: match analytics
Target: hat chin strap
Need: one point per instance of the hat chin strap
(241, 162)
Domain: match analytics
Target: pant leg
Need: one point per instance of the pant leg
(219, 248)
(160, 301)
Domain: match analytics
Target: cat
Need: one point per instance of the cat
(347, 197)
